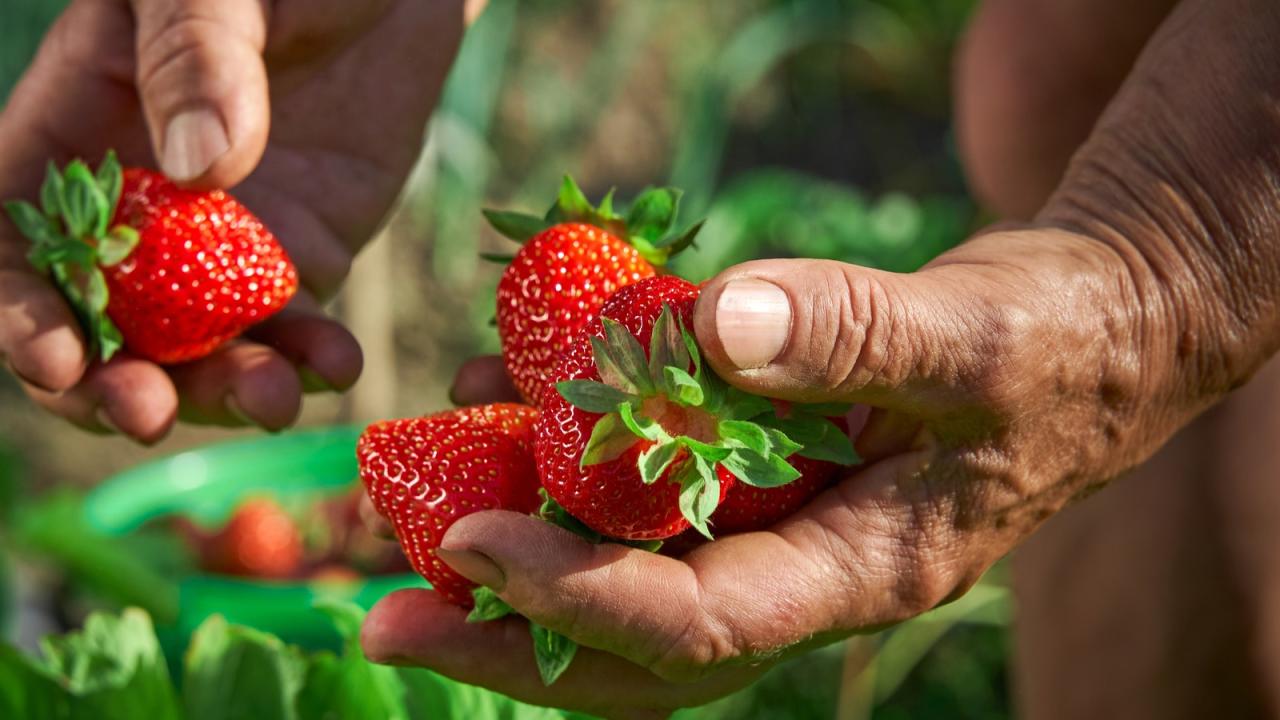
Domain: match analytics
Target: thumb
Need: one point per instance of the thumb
(824, 331)
(203, 87)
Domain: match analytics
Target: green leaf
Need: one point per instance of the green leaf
(113, 669)
(347, 617)
(573, 203)
(749, 435)
(110, 179)
(739, 405)
(592, 396)
(780, 443)
(640, 425)
(606, 205)
(610, 370)
(629, 355)
(656, 459)
(107, 338)
(96, 294)
(516, 226)
(653, 213)
(234, 672)
(760, 471)
(488, 606)
(609, 439)
(84, 207)
(659, 345)
(552, 651)
(826, 410)
(554, 513)
(691, 347)
(820, 439)
(497, 258)
(711, 453)
(117, 246)
(51, 192)
(33, 224)
(349, 686)
(682, 388)
(684, 241)
(700, 495)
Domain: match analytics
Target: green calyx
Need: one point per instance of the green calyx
(693, 420)
(72, 241)
(552, 651)
(648, 225)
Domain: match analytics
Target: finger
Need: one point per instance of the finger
(483, 380)
(127, 395)
(39, 337)
(327, 356)
(203, 87)
(242, 383)
(822, 331)
(416, 627)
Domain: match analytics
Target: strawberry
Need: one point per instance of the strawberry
(630, 440)
(424, 473)
(749, 508)
(572, 260)
(261, 540)
(167, 273)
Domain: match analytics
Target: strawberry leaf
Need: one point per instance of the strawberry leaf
(781, 444)
(497, 258)
(516, 226)
(659, 347)
(117, 246)
(711, 453)
(36, 226)
(684, 241)
(739, 405)
(96, 294)
(609, 439)
(110, 181)
(748, 435)
(606, 205)
(629, 356)
(641, 426)
(699, 494)
(820, 439)
(609, 369)
(758, 470)
(691, 346)
(554, 513)
(488, 606)
(51, 192)
(653, 214)
(572, 203)
(682, 388)
(592, 396)
(84, 207)
(655, 460)
(552, 651)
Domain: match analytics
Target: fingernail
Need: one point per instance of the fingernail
(475, 567)
(193, 141)
(753, 320)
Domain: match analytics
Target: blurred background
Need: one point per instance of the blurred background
(817, 128)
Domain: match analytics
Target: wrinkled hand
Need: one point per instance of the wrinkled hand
(313, 111)
(1016, 373)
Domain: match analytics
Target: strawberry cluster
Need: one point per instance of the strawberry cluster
(627, 435)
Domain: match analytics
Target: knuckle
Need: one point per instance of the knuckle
(857, 332)
(700, 647)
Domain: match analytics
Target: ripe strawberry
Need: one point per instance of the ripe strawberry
(750, 508)
(630, 441)
(424, 473)
(167, 273)
(260, 540)
(571, 262)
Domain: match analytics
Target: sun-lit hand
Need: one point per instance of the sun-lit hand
(1013, 375)
(312, 111)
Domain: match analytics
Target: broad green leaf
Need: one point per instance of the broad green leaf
(116, 247)
(653, 213)
(488, 606)
(516, 226)
(552, 651)
(592, 396)
(627, 352)
(757, 471)
(33, 224)
(609, 368)
(749, 435)
(711, 453)
(780, 444)
(84, 206)
(739, 405)
(234, 672)
(656, 459)
(820, 438)
(349, 686)
(682, 388)
(609, 439)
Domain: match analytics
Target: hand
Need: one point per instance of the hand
(314, 111)
(1015, 374)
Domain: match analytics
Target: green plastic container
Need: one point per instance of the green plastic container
(206, 485)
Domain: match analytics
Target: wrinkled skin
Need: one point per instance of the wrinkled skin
(1014, 375)
(113, 73)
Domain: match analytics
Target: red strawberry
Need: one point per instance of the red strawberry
(749, 508)
(571, 262)
(424, 473)
(167, 273)
(630, 439)
(260, 540)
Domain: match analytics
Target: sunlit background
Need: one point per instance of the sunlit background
(816, 128)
